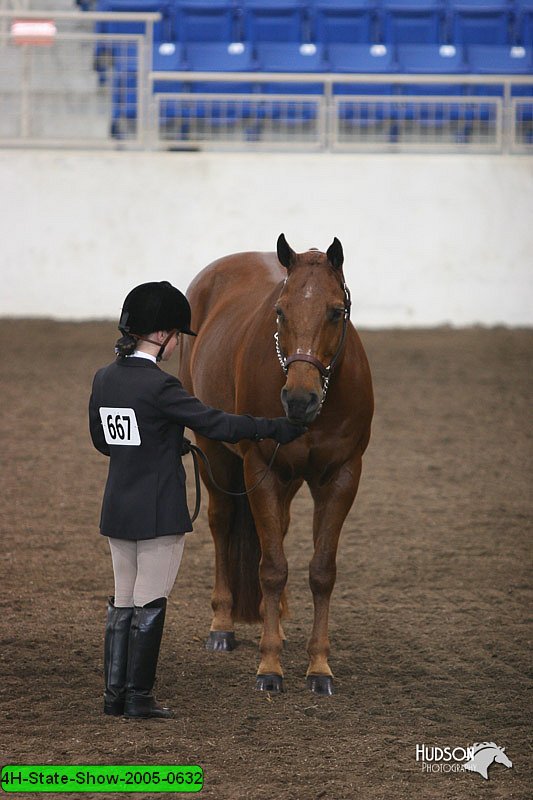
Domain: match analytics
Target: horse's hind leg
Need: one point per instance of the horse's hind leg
(332, 504)
(236, 593)
(220, 516)
(221, 636)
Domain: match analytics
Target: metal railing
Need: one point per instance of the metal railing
(352, 112)
(264, 115)
(92, 88)
(63, 92)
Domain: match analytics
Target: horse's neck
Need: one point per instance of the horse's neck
(264, 312)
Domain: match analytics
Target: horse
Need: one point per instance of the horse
(486, 753)
(275, 337)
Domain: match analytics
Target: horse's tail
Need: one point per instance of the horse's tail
(244, 555)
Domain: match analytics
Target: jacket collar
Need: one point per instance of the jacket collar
(134, 361)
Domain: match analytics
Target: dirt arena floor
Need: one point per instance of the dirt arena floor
(429, 615)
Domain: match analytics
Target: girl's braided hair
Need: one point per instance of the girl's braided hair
(126, 345)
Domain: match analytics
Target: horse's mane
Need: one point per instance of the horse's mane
(484, 745)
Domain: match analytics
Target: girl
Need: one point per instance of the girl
(137, 414)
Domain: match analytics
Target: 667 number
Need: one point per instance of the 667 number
(116, 428)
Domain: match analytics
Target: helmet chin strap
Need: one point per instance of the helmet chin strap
(159, 356)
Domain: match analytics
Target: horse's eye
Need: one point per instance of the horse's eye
(335, 314)
(279, 313)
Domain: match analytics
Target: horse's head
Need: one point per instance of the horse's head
(312, 313)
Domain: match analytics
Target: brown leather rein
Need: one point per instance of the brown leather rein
(197, 453)
(325, 372)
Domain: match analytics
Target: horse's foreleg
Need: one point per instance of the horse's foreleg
(332, 504)
(269, 506)
(273, 572)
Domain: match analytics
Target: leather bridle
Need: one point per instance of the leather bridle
(325, 372)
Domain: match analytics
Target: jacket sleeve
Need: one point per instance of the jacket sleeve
(185, 409)
(95, 426)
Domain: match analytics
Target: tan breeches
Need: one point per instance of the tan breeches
(145, 570)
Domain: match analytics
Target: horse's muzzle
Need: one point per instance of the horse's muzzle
(301, 407)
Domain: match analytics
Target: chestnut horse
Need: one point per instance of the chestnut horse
(273, 337)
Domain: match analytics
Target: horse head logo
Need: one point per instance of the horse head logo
(485, 753)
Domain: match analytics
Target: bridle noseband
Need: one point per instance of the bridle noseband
(325, 372)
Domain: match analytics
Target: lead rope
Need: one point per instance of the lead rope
(196, 452)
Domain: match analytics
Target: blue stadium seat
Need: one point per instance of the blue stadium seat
(361, 58)
(218, 57)
(524, 22)
(273, 21)
(481, 22)
(413, 22)
(291, 58)
(434, 59)
(500, 60)
(204, 21)
(343, 22)
(168, 56)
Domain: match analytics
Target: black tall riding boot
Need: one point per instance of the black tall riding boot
(145, 639)
(117, 634)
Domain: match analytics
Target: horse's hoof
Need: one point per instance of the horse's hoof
(221, 641)
(320, 684)
(269, 683)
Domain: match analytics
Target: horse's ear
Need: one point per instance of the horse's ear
(286, 254)
(335, 254)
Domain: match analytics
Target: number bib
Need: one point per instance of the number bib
(120, 426)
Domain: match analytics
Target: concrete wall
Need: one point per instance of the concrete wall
(427, 239)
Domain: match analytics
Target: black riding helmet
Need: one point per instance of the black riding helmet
(155, 306)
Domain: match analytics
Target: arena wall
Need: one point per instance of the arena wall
(428, 240)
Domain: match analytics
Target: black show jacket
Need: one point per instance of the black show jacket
(145, 491)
